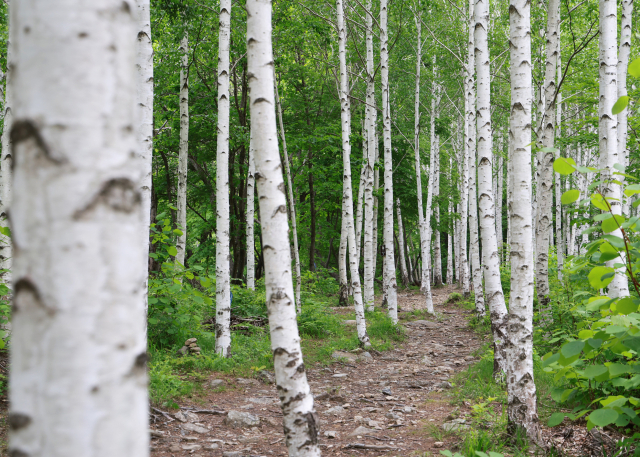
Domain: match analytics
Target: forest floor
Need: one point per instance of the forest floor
(395, 402)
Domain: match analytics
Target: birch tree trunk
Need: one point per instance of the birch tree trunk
(425, 286)
(361, 186)
(434, 184)
(370, 121)
(474, 243)
(343, 294)
(78, 379)
(6, 164)
(301, 430)
(499, 192)
(347, 192)
(391, 287)
(464, 194)
(403, 263)
(491, 259)
(376, 212)
(251, 189)
(223, 256)
(183, 154)
(608, 132)
(292, 206)
(450, 249)
(558, 183)
(521, 389)
(544, 190)
(623, 63)
(144, 124)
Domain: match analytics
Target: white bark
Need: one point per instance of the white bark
(608, 132)
(361, 185)
(474, 244)
(223, 256)
(347, 191)
(369, 203)
(558, 182)
(251, 189)
(490, 257)
(450, 248)
(403, 263)
(434, 184)
(544, 190)
(623, 64)
(6, 163)
(343, 294)
(425, 286)
(498, 196)
(376, 212)
(292, 206)
(391, 287)
(521, 389)
(183, 154)
(144, 122)
(301, 435)
(78, 380)
(463, 273)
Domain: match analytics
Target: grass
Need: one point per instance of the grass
(173, 378)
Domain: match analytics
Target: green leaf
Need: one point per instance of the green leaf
(633, 343)
(564, 165)
(596, 277)
(172, 250)
(613, 223)
(572, 348)
(620, 105)
(619, 167)
(616, 369)
(6, 231)
(178, 232)
(626, 306)
(603, 417)
(570, 196)
(634, 68)
(616, 241)
(599, 202)
(550, 150)
(555, 419)
(594, 371)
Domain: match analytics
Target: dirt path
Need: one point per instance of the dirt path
(388, 403)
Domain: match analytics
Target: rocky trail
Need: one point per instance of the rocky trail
(368, 403)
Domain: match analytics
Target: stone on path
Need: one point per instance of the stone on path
(239, 419)
(195, 428)
(361, 431)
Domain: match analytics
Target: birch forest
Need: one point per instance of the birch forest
(346, 228)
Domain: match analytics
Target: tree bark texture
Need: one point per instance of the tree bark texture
(183, 154)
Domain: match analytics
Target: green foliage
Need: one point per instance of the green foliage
(599, 365)
(179, 298)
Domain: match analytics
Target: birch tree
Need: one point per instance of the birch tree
(78, 379)
(183, 154)
(544, 189)
(474, 243)
(370, 125)
(490, 257)
(521, 389)
(425, 285)
(607, 128)
(6, 163)
(623, 64)
(223, 256)
(403, 263)
(251, 189)
(347, 191)
(391, 287)
(291, 380)
(292, 206)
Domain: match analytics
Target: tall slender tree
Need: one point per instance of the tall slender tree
(347, 191)
(78, 380)
(607, 128)
(223, 256)
(521, 389)
(391, 287)
(6, 164)
(490, 257)
(251, 189)
(291, 380)
(544, 189)
(425, 284)
(623, 63)
(183, 153)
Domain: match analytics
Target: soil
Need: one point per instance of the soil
(402, 419)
